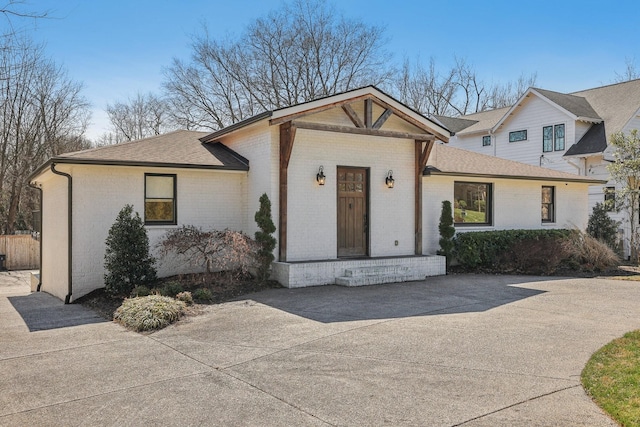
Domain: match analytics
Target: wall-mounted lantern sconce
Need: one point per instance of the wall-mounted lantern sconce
(320, 176)
(389, 179)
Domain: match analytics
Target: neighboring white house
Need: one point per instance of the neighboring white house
(564, 132)
(356, 181)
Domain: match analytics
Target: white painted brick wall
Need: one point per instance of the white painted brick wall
(312, 210)
(209, 199)
(516, 205)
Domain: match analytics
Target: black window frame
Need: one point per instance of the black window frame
(610, 199)
(486, 138)
(488, 205)
(555, 137)
(548, 149)
(551, 207)
(174, 220)
(512, 135)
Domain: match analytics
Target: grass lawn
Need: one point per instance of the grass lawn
(612, 379)
(471, 216)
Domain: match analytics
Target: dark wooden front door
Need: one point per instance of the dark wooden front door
(352, 212)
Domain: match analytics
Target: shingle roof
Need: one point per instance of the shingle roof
(576, 105)
(454, 124)
(616, 103)
(594, 141)
(181, 149)
(485, 120)
(447, 160)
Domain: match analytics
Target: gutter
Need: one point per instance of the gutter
(67, 299)
(35, 187)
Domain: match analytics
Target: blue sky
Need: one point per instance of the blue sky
(119, 47)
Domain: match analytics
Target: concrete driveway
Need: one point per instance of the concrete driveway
(456, 350)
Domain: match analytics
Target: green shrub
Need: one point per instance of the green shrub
(533, 256)
(486, 249)
(171, 289)
(447, 230)
(127, 261)
(149, 313)
(603, 228)
(203, 295)
(185, 297)
(140, 291)
(266, 242)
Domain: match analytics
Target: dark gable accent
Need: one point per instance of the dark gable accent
(594, 141)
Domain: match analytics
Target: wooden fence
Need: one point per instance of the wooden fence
(21, 250)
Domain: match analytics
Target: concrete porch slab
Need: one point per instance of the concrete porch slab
(300, 274)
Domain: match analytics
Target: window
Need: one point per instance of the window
(553, 138)
(472, 203)
(159, 199)
(610, 199)
(547, 139)
(548, 200)
(558, 134)
(486, 140)
(519, 135)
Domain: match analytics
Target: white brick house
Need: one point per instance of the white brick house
(372, 217)
(564, 132)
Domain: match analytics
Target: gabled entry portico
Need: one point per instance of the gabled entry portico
(357, 140)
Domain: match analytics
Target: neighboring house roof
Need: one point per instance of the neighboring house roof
(181, 149)
(593, 142)
(447, 160)
(484, 120)
(616, 104)
(576, 105)
(299, 110)
(454, 124)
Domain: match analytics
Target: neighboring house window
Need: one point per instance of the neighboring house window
(558, 135)
(553, 138)
(548, 204)
(486, 140)
(547, 139)
(159, 199)
(472, 203)
(610, 199)
(518, 135)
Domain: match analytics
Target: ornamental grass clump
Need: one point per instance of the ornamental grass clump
(149, 313)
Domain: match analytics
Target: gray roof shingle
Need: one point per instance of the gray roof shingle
(447, 160)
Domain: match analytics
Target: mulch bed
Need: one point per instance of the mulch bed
(222, 287)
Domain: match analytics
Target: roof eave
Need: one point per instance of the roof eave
(100, 162)
(518, 177)
(236, 126)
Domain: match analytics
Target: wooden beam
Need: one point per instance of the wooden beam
(287, 136)
(363, 131)
(383, 118)
(290, 117)
(368, 113)
(421, 158)
(353, 116)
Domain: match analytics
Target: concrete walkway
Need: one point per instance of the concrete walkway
(450, 351)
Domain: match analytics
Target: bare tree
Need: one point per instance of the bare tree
(303, 51)
(631, 72)
(455, 92)
(138, 117)
(42, 113)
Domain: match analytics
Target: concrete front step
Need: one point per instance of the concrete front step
(383, 270)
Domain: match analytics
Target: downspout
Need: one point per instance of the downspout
(69, 230)
(35, 187)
